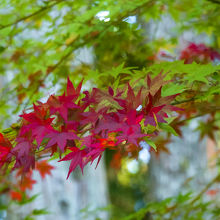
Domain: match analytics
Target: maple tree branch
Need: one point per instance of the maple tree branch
(214, 1)
(31, 15)
(172, 208)
(63, 58)
(187, 119)
(183, 101)
(81, 44)
(213, 181)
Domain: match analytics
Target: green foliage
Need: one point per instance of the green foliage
(168, 128)
(179, 207)
(183, 206)
(36, 212)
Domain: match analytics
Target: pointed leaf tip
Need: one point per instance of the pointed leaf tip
(110, 91)
(70, 88)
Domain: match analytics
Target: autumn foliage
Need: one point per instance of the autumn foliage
(199, 53)
(80, 127)
(154, 69)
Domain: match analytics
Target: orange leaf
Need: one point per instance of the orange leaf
(44, 168)
(212, 192)
(27, 183)
(16, 195)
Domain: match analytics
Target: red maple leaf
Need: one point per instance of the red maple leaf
(92, 116)
(24, 154)
(130, 134)
(5, 149)
(91, 97)
(72, 91)
(132, 101)
(61, 104)
(60, 138)
(199, 53)
(96, 146)
(109, 123)
(36, 122)
(77, 158)
(157, 106)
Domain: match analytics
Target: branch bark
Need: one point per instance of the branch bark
(215, 1)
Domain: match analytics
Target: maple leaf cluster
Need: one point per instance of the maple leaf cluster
(199, 53)
(81, 126)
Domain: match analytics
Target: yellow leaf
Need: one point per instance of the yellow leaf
(27, 20)
(71, 39)
(168, 47)
(155, 118)
(38, 23)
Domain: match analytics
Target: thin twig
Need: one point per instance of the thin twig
(178, 212)
(64, 58)
(213, 181)
(214, 1)
(183, 101)
(31, 15)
